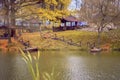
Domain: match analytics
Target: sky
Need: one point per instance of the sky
(73, 5)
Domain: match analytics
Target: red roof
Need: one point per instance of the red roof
(71, 18)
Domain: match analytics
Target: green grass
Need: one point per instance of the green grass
(28, 58)
(32, 63)
(50, 76)
(83, 36)
(114, 36)
(76, 36)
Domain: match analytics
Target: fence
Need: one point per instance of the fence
(71, 42)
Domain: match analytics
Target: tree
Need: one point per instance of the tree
(100, 12)
(10, 7)
(27, 9)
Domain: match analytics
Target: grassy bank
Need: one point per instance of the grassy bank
(114, 36)
(11, 47)
(76, 36)
(83, 36)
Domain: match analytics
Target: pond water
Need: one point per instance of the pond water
(71, 65)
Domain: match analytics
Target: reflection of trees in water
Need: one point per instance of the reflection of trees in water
(6, 68)
(11, 68)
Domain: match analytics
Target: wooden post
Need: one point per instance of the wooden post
(80, 43)
(71, 41)
(94, 44)
(53, 28)
(55, 36)
(63, 38)
(88, 44)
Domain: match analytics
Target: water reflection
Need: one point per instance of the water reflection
(93, 68)
(13, 68)
(72, 65)
(76, 72)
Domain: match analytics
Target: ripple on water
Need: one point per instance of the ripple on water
(71, 67)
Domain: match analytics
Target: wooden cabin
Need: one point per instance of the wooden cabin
(31, 25)
(67, 23)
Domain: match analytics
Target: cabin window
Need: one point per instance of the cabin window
(68, 23)
(28, 24)
(62, 24)
(56, 24)
(36, 25)
(73, 23)
(18, 23)
(78, 24)
(24, 24)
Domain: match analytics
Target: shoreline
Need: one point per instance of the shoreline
(35, 40)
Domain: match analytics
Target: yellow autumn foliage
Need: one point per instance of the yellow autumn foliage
(49, 10)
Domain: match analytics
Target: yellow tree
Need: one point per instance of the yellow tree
(45, 9)
(11, 7)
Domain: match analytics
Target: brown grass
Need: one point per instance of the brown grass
(11, 47)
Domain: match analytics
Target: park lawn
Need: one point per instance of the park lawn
(36, 40)
(83, 36)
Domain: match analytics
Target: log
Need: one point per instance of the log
(30, 49)
(95, 49)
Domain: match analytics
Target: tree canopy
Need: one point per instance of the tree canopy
(29, 9)
(100, 12)
(43, 9)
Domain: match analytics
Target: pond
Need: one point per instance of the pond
(71, 65)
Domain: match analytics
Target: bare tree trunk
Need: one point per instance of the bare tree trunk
(9, 29)
(99, 38)
(9, 36)
(100, 29)
(11, 19)
(40, 31)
